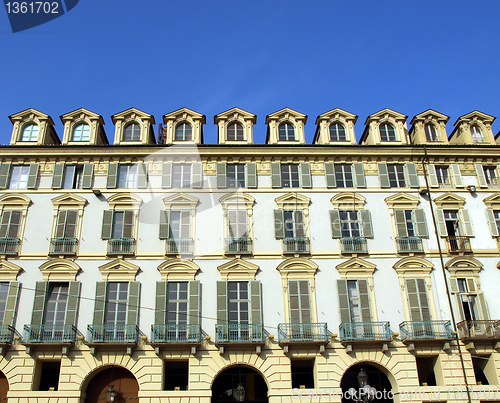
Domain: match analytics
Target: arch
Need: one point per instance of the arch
(17, 199)
(386, 380)
(387, 131)
(235, 131)
(297, 265)
(132, 131)
(337, 131)
(228, 378)
(81, 130)
(30, 130)
(59, 270)
(178, 269)
(413, 265)
(286, 131)
(4, 386)
(431, 133)
(183, 131)
(348, 200)
(124, 200)
(464, 264)
(124, 382)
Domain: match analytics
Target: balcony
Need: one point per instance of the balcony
(63, 246)
(479, 329)
(365, 331)
(296, 245)
(54, 334)
(426, 330)
(6, 334)
(238, 246)
(180, 333)
(121, 246)
(302, 332)
(9, 246)
(353, 245)
(239, 333)
(458, 244)
(409, 244)
(117, 334)
(176, 246)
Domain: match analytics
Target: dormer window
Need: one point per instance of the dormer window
(81, 132)
(132, 132)
(30, 132)
(184, 132)
(286, 132)
(431, 133)
(235, 132)
(387, 132)
(337, 132)
(477, 134)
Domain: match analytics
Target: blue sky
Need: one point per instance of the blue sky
(261, 56)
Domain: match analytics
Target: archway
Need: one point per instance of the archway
(124, 384)
(376, 379)
(4, 387)
(225, 388)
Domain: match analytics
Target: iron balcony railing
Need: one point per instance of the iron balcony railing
(353, 331)
(238, 245)
(63, 246)
(9, 246)
(121, 246)
(458, 244)
(239, 333)
(426, 330)
(353, 245)
(409, 244)
(291, 332)
(296, 245)
(113, 333)
(6, 334)
(179, 245)
(180, 333)
(479, 329)
(50, 333)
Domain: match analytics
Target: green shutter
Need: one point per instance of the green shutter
(305, 301)
(424, 302)
(222, 302)
(255, 302)
(336, 224)
(293, 297)
(4, 175)
(166, 175)
(15, 223)
(299, 300)
(73, 302)
(366, 223)
(331, 182)
(411, 170)
(100, 303)
(467, 223)
(364, 301)
(9, 316)
(359, 174)
(251, 179)
(413, 302)
(453, 285)
(275, 174)
(457, 177)
(383, 174)
(399, 217)
(71, 223)
(194, 302)
(491, 222)
(164, 224)
(32, 176)
(142, 175)
(57, 176)
(279, 224)
(128, 224)
(4, 223)
(300, 229)
(161, 303)
(345, 315)
(107, 224)
(471, 285)
(421, 223)
(441, 223)
(480, 176)
(134, 292)
(61, 223)
(221, 175)
(88, 176)
(305, 175)
(484, 307)
(433, 180)
(112, 179)
(41, 290)
(197, 180)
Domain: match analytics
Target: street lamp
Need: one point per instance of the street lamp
(110, 393)
(366, 393)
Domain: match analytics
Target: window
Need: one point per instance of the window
(456, 227)
(337, 132)
(418, 305)
(443, 177)
(132, 132)
(81, 132)
(410, 223)
(467, 299)
(349, 224)
(30, 132)
(387, 132)
(118, 229)
(290, 176)
(180, 224)
(302, 374)
(181, 175)
(237, 223)
(354, 301)
(116, 304)
(396, 176)
(494, 221)
(10, 223)
(235, 175)
(235, 132)
(299, 301)
(176, 375)
(19, 177)
(55, 307)
(343, 176)
(490, 174)
(175, 227)
(127, 176)
(425, 370)
(73, 177)
(294, 224)
(49, 375)
(286, 132)
(352, 227)
(67, 221)
(477, 134)
(184, 132)
(238, 302)
(452, 222)
(122, 228)
(4, 294)
(177, 303)
(480, 365)
(431, 133)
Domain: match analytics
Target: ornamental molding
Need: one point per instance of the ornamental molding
(119, 270)
(238, 269)
(178, 270)
(59, 270)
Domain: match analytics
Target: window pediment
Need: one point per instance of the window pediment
(348, 201)
(433, 118)
(8, 270)
(493, 201)
(119, 270)
(235, 115)
(402, 201)
(132, 115)
(125, 201)
(44, 123)
(68, 201)
(413, 267)
(178, 270)
(237, 200)
(238, 269)
(173, 119)
(292, 201)
(59, 270)
(297, 268)
(356, 268)
(181, 201)
(15, 200)
(449, 200)
(462, 266)
(337, 115)
(285, 115)
(95, 122)
(371, 134)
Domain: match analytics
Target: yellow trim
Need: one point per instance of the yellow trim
(348, 201)
(238, 269)
(119, 270)
(178, 269)
(449, 201)
(8, 270)
(59, 270)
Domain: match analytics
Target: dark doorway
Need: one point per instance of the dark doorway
(376, 379)
(4, 387)
(124, 384)
(225, 387)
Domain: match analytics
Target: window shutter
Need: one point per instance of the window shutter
(433, 180)
(112, 179)
(440, 223)
(279, 224)
(424, 302)
(359, 174)
(364, 300)
(336, 225)
(4, 175)
(468, 230)
(484, 307)
(88, 176)
(305, 174)
(293, 296)
(15, 224)
(73, 302)
(222, 302)
(300, 229)
(100, 303)
(164, 224)
(453, 285)
(134, 292)
(57, 176)
(345, 315)
(399, 217)
(61, 222)
(255, 302)
(161, 303)
(305, 301)
(142, 175)
(275, 174)
(383, 175)
(107, 224)
(366, 223)
(4, 223)
(411, 171)
(128, 224)
(457, 177)
(194, 303)
(221, 175)
(197, 170)
(166, 175)
(471, 284)
(71, 223)
(251, 179)
(419, 216)
(9, 316)
(41, 289)
(32, 176)
(298, 293)
(331, 182)
(413, 303)
(491, 222)
(480, 176)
